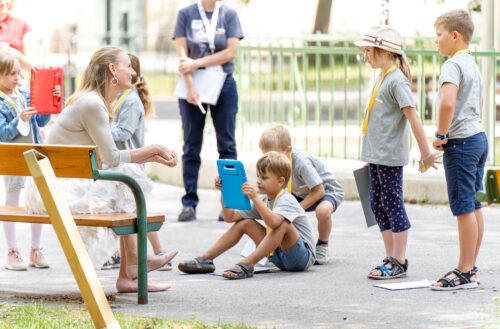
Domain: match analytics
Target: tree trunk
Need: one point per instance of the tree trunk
(322, 21)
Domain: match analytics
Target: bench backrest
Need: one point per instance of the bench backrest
(78, 161)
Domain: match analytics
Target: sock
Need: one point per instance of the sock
(321, 242)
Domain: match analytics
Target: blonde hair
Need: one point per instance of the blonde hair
(277, 163)
(96, 75)
(457, 20)
(275, 138)
(141, 85)
(404, 66)
(7, 61)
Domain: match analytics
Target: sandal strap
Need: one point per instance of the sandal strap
(398, 267)
(247, 269)
(203, 261)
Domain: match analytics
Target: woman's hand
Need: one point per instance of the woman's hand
(154, 153)
(187, 65)
(193, 97)
(249, 191)
(26, 114)
(57, 91)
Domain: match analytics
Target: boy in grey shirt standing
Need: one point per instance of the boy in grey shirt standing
(461, 136)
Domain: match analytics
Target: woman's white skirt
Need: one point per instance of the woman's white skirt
(86, 196)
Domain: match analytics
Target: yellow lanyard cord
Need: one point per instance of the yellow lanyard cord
(461, 51)
(268, 229)
(373, 96)
(120, 100)
(291, 175)
(11, 102)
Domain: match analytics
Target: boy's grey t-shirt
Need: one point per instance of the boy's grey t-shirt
(309, 171)
(387, 136)
(190, 25)
(288, 207)
(130, 116)
(462, 71)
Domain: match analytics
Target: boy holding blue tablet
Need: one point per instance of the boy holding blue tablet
(288, 240)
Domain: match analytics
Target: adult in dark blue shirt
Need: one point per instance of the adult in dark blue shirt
(207, 34)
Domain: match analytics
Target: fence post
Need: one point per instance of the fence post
(488, 44)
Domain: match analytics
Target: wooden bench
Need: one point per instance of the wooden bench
(46, 162)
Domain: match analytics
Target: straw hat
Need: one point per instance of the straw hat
(383, 37)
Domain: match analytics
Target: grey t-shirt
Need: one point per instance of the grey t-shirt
(288, 207)
(462, 71)
(387, 136)
(309, 171)
(190, 25)
(130, 116)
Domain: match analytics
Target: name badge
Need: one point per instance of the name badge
(196, 24)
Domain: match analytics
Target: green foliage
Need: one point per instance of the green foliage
(424, 200)
(38, 316)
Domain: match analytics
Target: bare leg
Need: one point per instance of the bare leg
(480, 231)
(154, 239)
(470, 231)
(324, 215)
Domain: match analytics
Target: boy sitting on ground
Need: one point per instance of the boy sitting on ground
(289, 240)
(311, 183)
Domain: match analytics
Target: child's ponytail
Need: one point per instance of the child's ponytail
(404, 66)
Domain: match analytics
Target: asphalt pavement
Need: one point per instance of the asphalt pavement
(336, 295)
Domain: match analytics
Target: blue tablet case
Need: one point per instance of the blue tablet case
(232, 175)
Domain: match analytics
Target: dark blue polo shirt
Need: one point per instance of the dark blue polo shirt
(190, 25)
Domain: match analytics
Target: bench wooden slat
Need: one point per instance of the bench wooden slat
(66, 160)
(19, 214)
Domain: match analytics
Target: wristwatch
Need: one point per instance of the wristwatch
(442, 137)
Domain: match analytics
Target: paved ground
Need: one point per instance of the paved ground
(337, 295)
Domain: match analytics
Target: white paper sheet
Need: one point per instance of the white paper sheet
(405, 285)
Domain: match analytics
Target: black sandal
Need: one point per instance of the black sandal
(243, 273)
(462, 280)
(197, 265)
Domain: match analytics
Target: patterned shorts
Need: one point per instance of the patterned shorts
(386, 197)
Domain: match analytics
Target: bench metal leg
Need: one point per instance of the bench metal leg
(71, 241)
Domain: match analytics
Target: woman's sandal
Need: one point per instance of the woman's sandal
(197, 265)
(398, 270)
(243, 273)
(462, 280)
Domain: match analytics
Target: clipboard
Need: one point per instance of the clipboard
(232, 175)
(207, 81)
(363, 184)
(43, 81)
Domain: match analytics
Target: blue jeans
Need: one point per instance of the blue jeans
(193, 122)
(464, 160)
(325, 197)
(294, 258)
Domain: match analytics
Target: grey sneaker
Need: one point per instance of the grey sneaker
(187, 214)
(322, 255)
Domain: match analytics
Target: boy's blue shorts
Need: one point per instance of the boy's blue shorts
(326, 197)
(294, 258)
(464, 160)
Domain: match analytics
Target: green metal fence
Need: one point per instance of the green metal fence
(318, 87)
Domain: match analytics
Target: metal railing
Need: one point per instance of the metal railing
(318, 88)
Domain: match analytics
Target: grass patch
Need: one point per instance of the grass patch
(38, 315)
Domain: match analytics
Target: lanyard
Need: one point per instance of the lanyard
(461, 51)
(274, 203)
(120, 100)
(373, 96)
(21, 99)
(210, 26)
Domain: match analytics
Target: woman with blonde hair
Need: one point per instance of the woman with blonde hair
(130, 109)
(86, 121)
